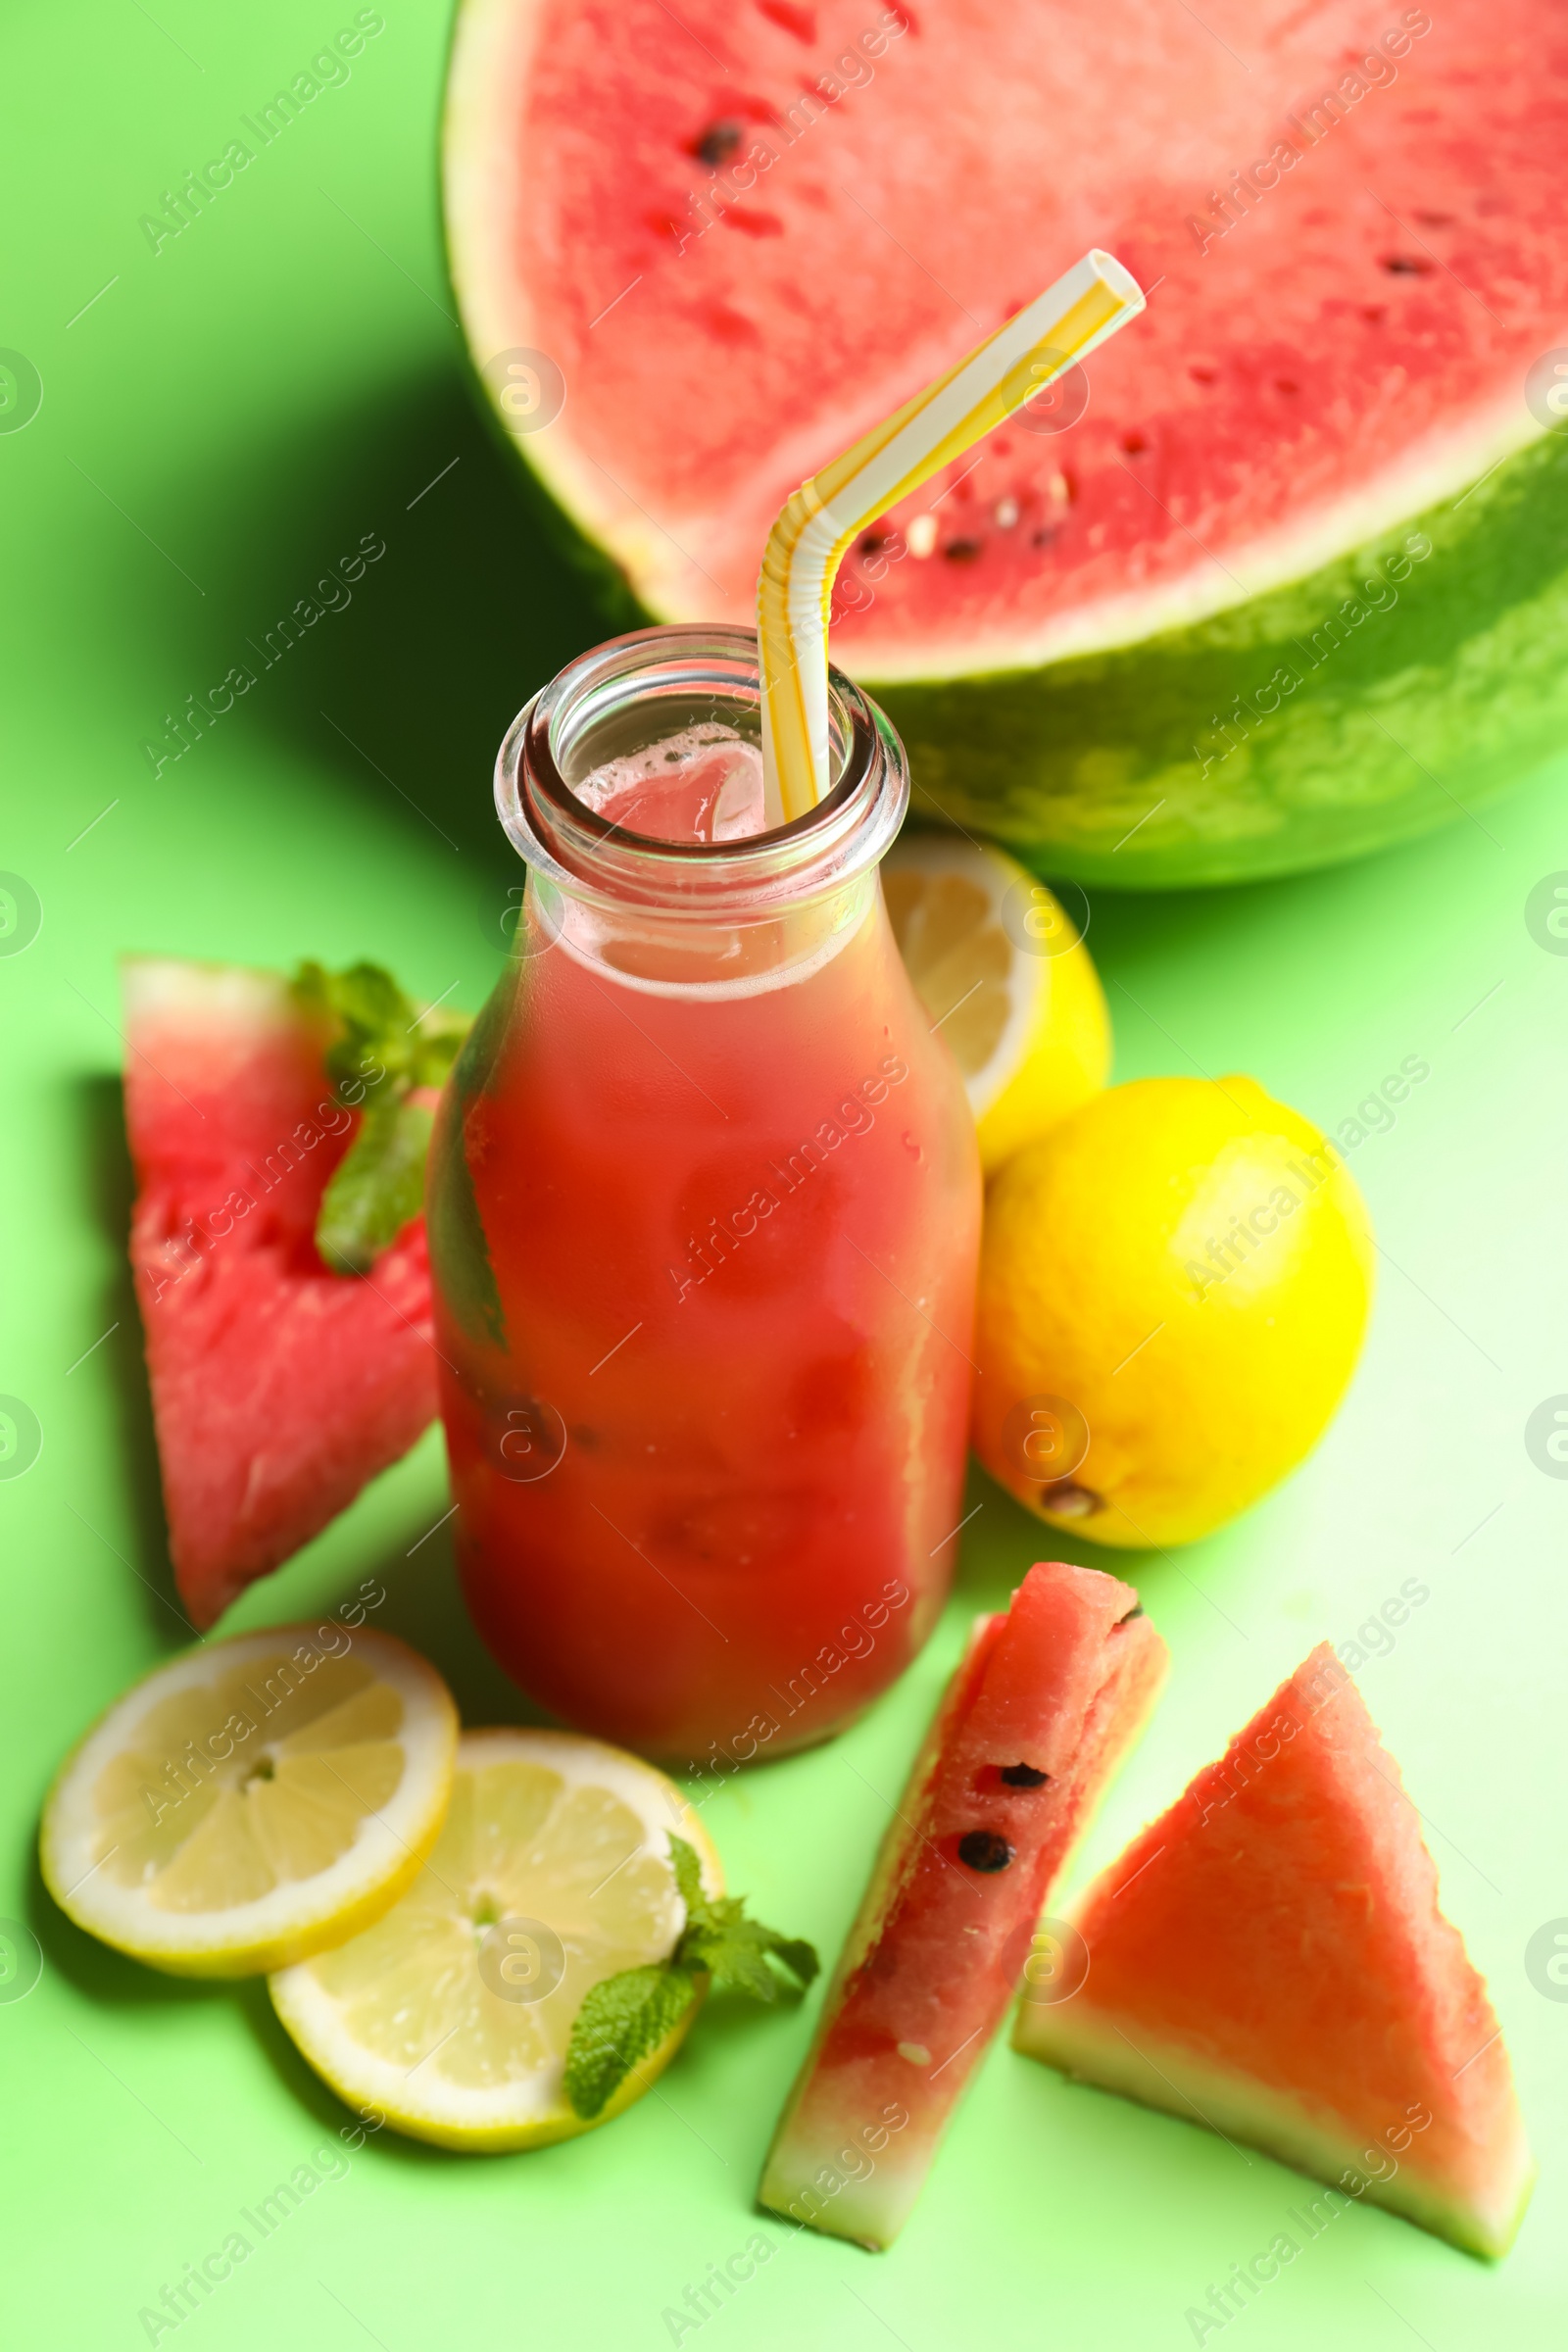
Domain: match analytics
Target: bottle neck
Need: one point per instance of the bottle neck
(725, 917)
(712, 959)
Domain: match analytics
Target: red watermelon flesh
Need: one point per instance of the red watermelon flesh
(279, 1388)
(1052, 1692)
(745, 232)
(1269, 1958)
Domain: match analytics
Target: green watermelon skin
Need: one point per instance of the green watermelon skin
(1161, 766)
(1111, 768)
(1118, 768)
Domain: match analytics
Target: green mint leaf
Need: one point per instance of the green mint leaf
(736, 1955)
(381, 1050)
(375, 1020)
(688, 1879)
(437, 1042)
(726, 1911)
(740, 1967)
(622, 2018)
(378, 1024)
(376, 1186)
(626, 2015)
(720, 1941)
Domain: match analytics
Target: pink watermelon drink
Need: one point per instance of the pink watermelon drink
(1269, 1957)
(704, 1214)
(1036, 1720)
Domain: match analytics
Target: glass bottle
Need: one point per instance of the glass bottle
(704, 1213)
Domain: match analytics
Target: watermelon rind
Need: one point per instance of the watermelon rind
(483, 39)
(279, 1388)
(868, 2109)
(1269, 1958)
(1150, 759)
(1161, 2074)
(1160, 765)
(865, 2203)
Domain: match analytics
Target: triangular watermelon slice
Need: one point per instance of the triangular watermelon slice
(1038, 1716)
(279, 1388)
(1268, 1958)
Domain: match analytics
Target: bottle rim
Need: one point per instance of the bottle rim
(591, 856)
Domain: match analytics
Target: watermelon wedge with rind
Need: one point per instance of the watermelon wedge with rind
(1052, 1691)
(1294, 583)
(279, 1388)
(1269, 1958)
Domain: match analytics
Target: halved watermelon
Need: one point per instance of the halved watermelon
(277, 1388)
(1299, 573)
(1269, 1958)
(1035, 1720)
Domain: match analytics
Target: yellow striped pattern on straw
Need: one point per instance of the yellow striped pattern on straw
(822, 519)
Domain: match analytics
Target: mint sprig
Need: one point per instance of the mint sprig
(626, 2015)
(621, 2019)
(385, 1051)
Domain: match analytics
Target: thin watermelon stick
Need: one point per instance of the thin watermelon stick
(1038, 1714)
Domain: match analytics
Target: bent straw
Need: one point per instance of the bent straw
(819, 521)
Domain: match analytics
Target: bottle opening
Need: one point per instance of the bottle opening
(701, 783)
(636, 778)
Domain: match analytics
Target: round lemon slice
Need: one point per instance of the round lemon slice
(253, 1801)
(1003, 972)
(452, 2015)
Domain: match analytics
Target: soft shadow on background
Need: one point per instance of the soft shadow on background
(389, 1540)
(402, 687)
(405, 685)
(98, 1103)
(398, 699)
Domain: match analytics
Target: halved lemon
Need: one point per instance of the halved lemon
(452, 2015)
(253, 1801)
(1003, 972)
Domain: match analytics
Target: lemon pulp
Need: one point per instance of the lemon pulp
(252, 1801)
(453, 2013)
(1006, 980)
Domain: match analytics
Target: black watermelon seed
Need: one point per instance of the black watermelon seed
(1131, 1614)
(983, 1849)
(719, 143)
(1024, 1776)
(961, 551)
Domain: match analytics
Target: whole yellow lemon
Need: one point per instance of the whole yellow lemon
(1174, 1286)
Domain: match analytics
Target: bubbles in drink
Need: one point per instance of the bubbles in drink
(704, 784)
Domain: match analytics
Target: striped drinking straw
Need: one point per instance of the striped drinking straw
(818, 523)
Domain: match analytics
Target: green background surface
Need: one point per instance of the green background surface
(224, 420)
